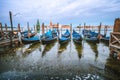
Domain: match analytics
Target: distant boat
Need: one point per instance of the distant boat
(33, 39)
(65, 37)
(77, 38)
(48, 37)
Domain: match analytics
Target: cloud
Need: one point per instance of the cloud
(62, 11)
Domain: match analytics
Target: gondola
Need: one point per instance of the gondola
(93, 37)
(48, 37)
(65, 37)
(25, 34)
(48, 40)
(77, 38)
(33, 39)
(63, 40)
(86, 32)
(66, 34)
(93, 34)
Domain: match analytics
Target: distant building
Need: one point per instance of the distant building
(53, 25)
(66, 26)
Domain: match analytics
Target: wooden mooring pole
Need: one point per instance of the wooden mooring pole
(70, 30)
(43, 28)
(105, 30)
(19, 30)
(61, 30)
(6, 27)
(84, 26)
(29, 34)
(79, 28)
(6, 34)
(1, 31)
(58, 29)
(11, 23)
(99, 28)
(1, 27)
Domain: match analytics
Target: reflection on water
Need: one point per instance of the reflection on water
(62, 47)
(32, 48)
(105, 43)
(53, 61)
(47, 47)
(94, 48)
(112, 66)
(79, 49)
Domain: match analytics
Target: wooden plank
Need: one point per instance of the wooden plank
(118, 33)
(7, 41)
(115, 41)
(118, 47)
(116, 38)
(10, 30)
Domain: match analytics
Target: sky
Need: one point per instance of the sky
(91, 12)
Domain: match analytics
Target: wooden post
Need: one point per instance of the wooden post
(58, 29)
(61, 31)
(42, 28)
(19, 34)
(10, 13)
(11, 23)
(105, 31)
(79, 28)
(19, 28)
(89, 27)
(6, 34)
(6, 27)
(28, 26)
(35, 29)
(70, 30)
(1, 31)
(1, 27)
(99, 28)
(92, 28)
(84, 26)
(29, 34)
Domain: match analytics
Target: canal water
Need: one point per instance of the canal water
(70, 61)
